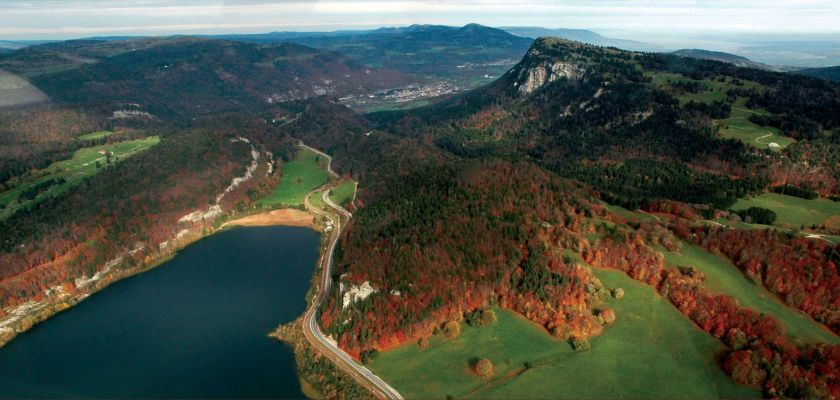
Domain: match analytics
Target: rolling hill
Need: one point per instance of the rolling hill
(829, 73)
(458, 222)
(416, 49)
(145, 79)
(722, 57)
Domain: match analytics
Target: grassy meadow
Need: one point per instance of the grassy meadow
(627, 214)
(69, 172)
(738, 125)
(316, 201)
(343, 193)
(715, 90)
(723, 277)
(794, 212)
(299, 176)
(95, 135)
(652, 351)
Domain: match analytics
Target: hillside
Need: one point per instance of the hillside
(828, 73)
(425, 49)
(577, 109)
(463, 208)
(148, 79)
(722, 57)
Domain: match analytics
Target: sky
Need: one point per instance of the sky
(65, 19)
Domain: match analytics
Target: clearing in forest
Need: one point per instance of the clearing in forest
(343, 193)
(649, 342)
(723, 277)
(298, 177)
(61, 176)
(795, 212)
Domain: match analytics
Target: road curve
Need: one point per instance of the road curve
(311, 329)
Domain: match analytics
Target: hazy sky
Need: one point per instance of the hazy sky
(22, 19)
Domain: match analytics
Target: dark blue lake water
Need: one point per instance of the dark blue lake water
(194, 327)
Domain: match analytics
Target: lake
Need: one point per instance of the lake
(194, 327)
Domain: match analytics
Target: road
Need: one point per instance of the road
(311, 329)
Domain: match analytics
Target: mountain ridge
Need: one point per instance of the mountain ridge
(580, 35)
(730, 58)
(828, 73)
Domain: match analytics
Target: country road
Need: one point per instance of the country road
(311, 329)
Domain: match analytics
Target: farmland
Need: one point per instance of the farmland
(650, 342)
(794, 212)
(61, 176)
(306, 172)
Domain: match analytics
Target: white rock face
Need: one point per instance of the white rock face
(356, 293)
(215, 210)
(129, 114)
(546, 72)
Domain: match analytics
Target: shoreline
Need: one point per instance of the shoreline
(25, 316)
(279, 217)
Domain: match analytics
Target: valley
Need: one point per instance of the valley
(500, 216)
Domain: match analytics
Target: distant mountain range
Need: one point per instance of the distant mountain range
(19, 44)
(828, 73)
(471, 52)
(187, 76)
(722, 57)
(417, 49)
(581, 35)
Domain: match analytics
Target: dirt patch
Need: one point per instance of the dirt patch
(286, 216)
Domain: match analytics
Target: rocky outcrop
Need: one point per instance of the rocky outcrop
(544, 72)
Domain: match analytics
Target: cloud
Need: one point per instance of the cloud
(64, 18)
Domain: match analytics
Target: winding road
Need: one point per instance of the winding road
(311, 329)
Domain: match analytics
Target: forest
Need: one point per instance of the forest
(500, 196)
(131, 205)
(456, 238)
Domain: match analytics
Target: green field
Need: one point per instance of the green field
(715, 90)
(794, 212)
(627, 214)
(723, 277)
(95, 135)
(306, 172)
(652, 351)
(316, 201)
(395, 106)
(343, 193)
(82, 165)
(738, 126)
